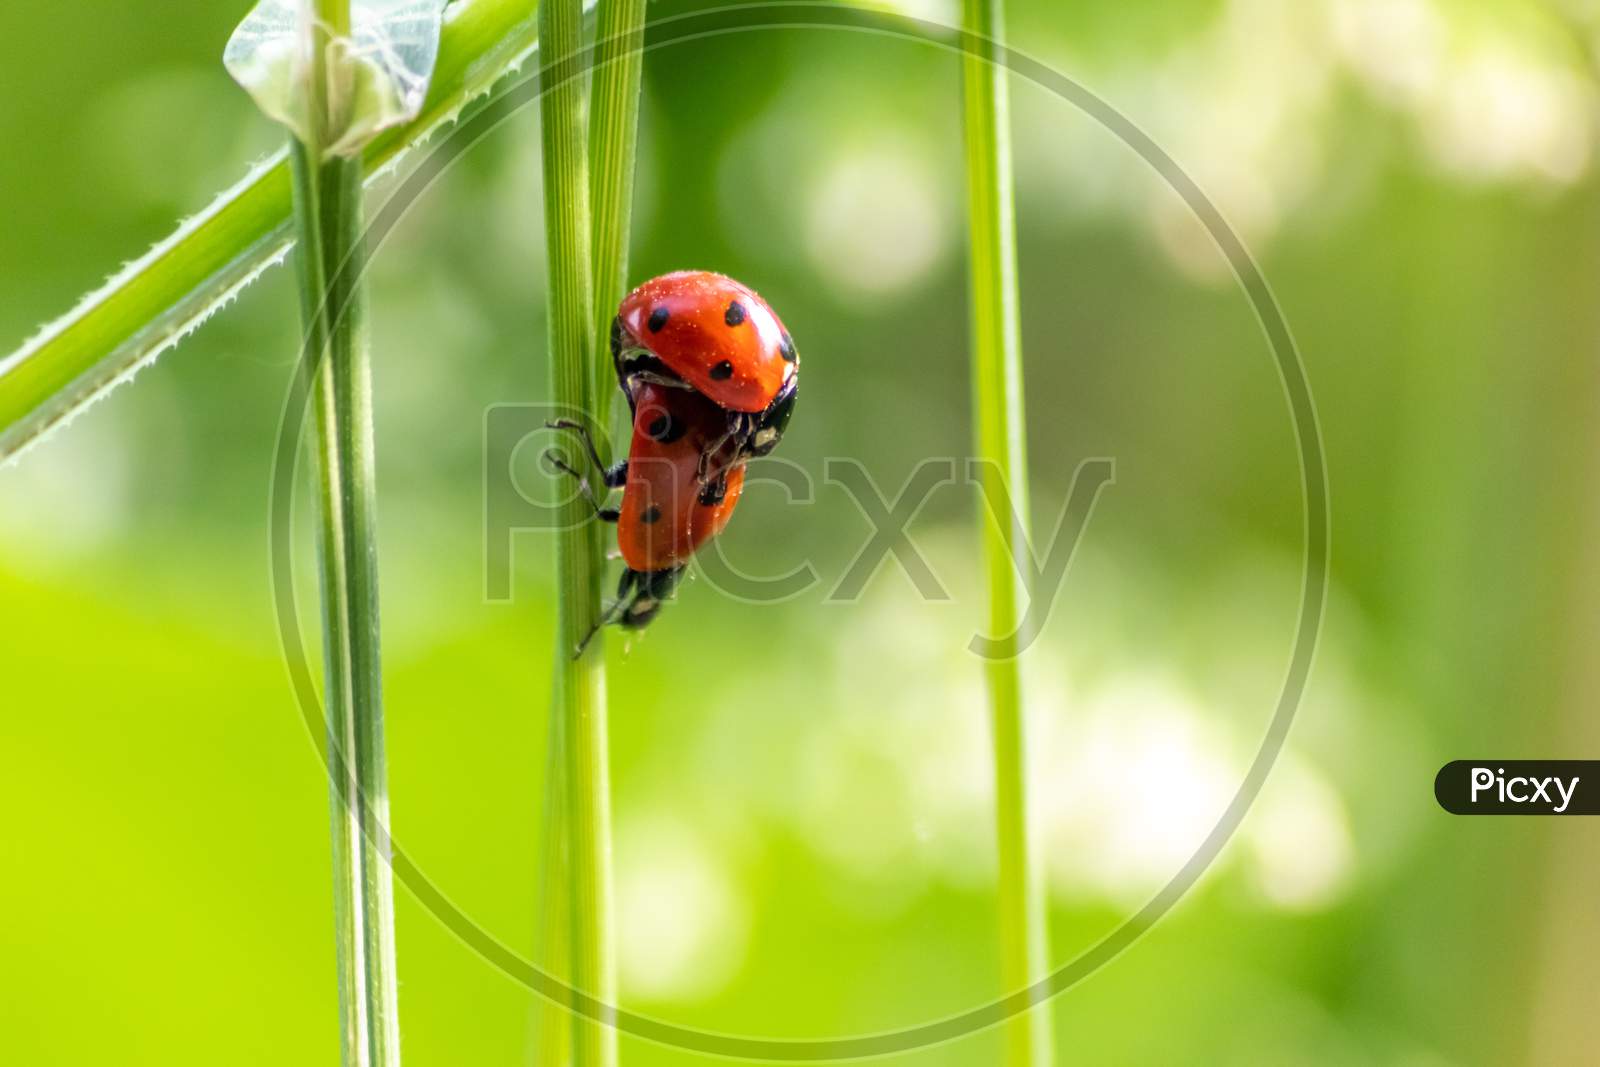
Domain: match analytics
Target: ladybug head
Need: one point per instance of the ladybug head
(635, 363)
(642, 594)
(771, 424)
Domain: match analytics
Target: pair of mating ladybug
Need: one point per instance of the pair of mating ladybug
(711, 377)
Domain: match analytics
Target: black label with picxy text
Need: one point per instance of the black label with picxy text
(1519, 787)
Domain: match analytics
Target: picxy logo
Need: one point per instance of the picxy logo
(1518, 787)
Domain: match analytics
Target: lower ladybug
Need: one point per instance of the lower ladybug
(679, 485)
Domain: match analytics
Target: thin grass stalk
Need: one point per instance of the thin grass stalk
(614, 114)
(580, 675)
(553, 1041)
(328, 203)
(613, 141)
(1000, 440)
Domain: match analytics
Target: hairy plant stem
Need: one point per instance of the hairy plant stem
(580, 698)
(1000, 440)
(327, 205)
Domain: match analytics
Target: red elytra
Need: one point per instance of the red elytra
(714, 333)
(663, 520)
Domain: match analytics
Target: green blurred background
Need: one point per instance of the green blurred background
(801, 789)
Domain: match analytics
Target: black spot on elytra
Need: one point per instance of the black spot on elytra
(735, 314)
(722, 371)
(658, 319)
(664, 429)
(786, 348)
(650, 514)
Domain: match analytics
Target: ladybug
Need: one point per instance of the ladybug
(669, 508)
(701, 331)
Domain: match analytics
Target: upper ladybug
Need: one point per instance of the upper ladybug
(708, 332)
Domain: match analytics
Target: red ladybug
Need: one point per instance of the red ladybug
(669, 507)
(711, 377)
(705, 332)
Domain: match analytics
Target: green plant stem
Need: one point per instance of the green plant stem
(327, 201)
(160, 297)
(614, 113)
(580, 676)
(554, 1037)
(613, 138)
(1000, 439)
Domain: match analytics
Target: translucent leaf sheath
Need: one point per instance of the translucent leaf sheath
(373, 77)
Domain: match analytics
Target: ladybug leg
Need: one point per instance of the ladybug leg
(766, 429)
(630, 587)
(626, 597)
(613, 476)
(713, 475)
(714, 490)
(737, 429)
(558, 462)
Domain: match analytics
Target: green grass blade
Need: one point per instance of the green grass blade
(614, 111)
(157, 299)
(553, 1040)
(580, 682)
(1000, 439)
(327, 196)
(613, 134)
